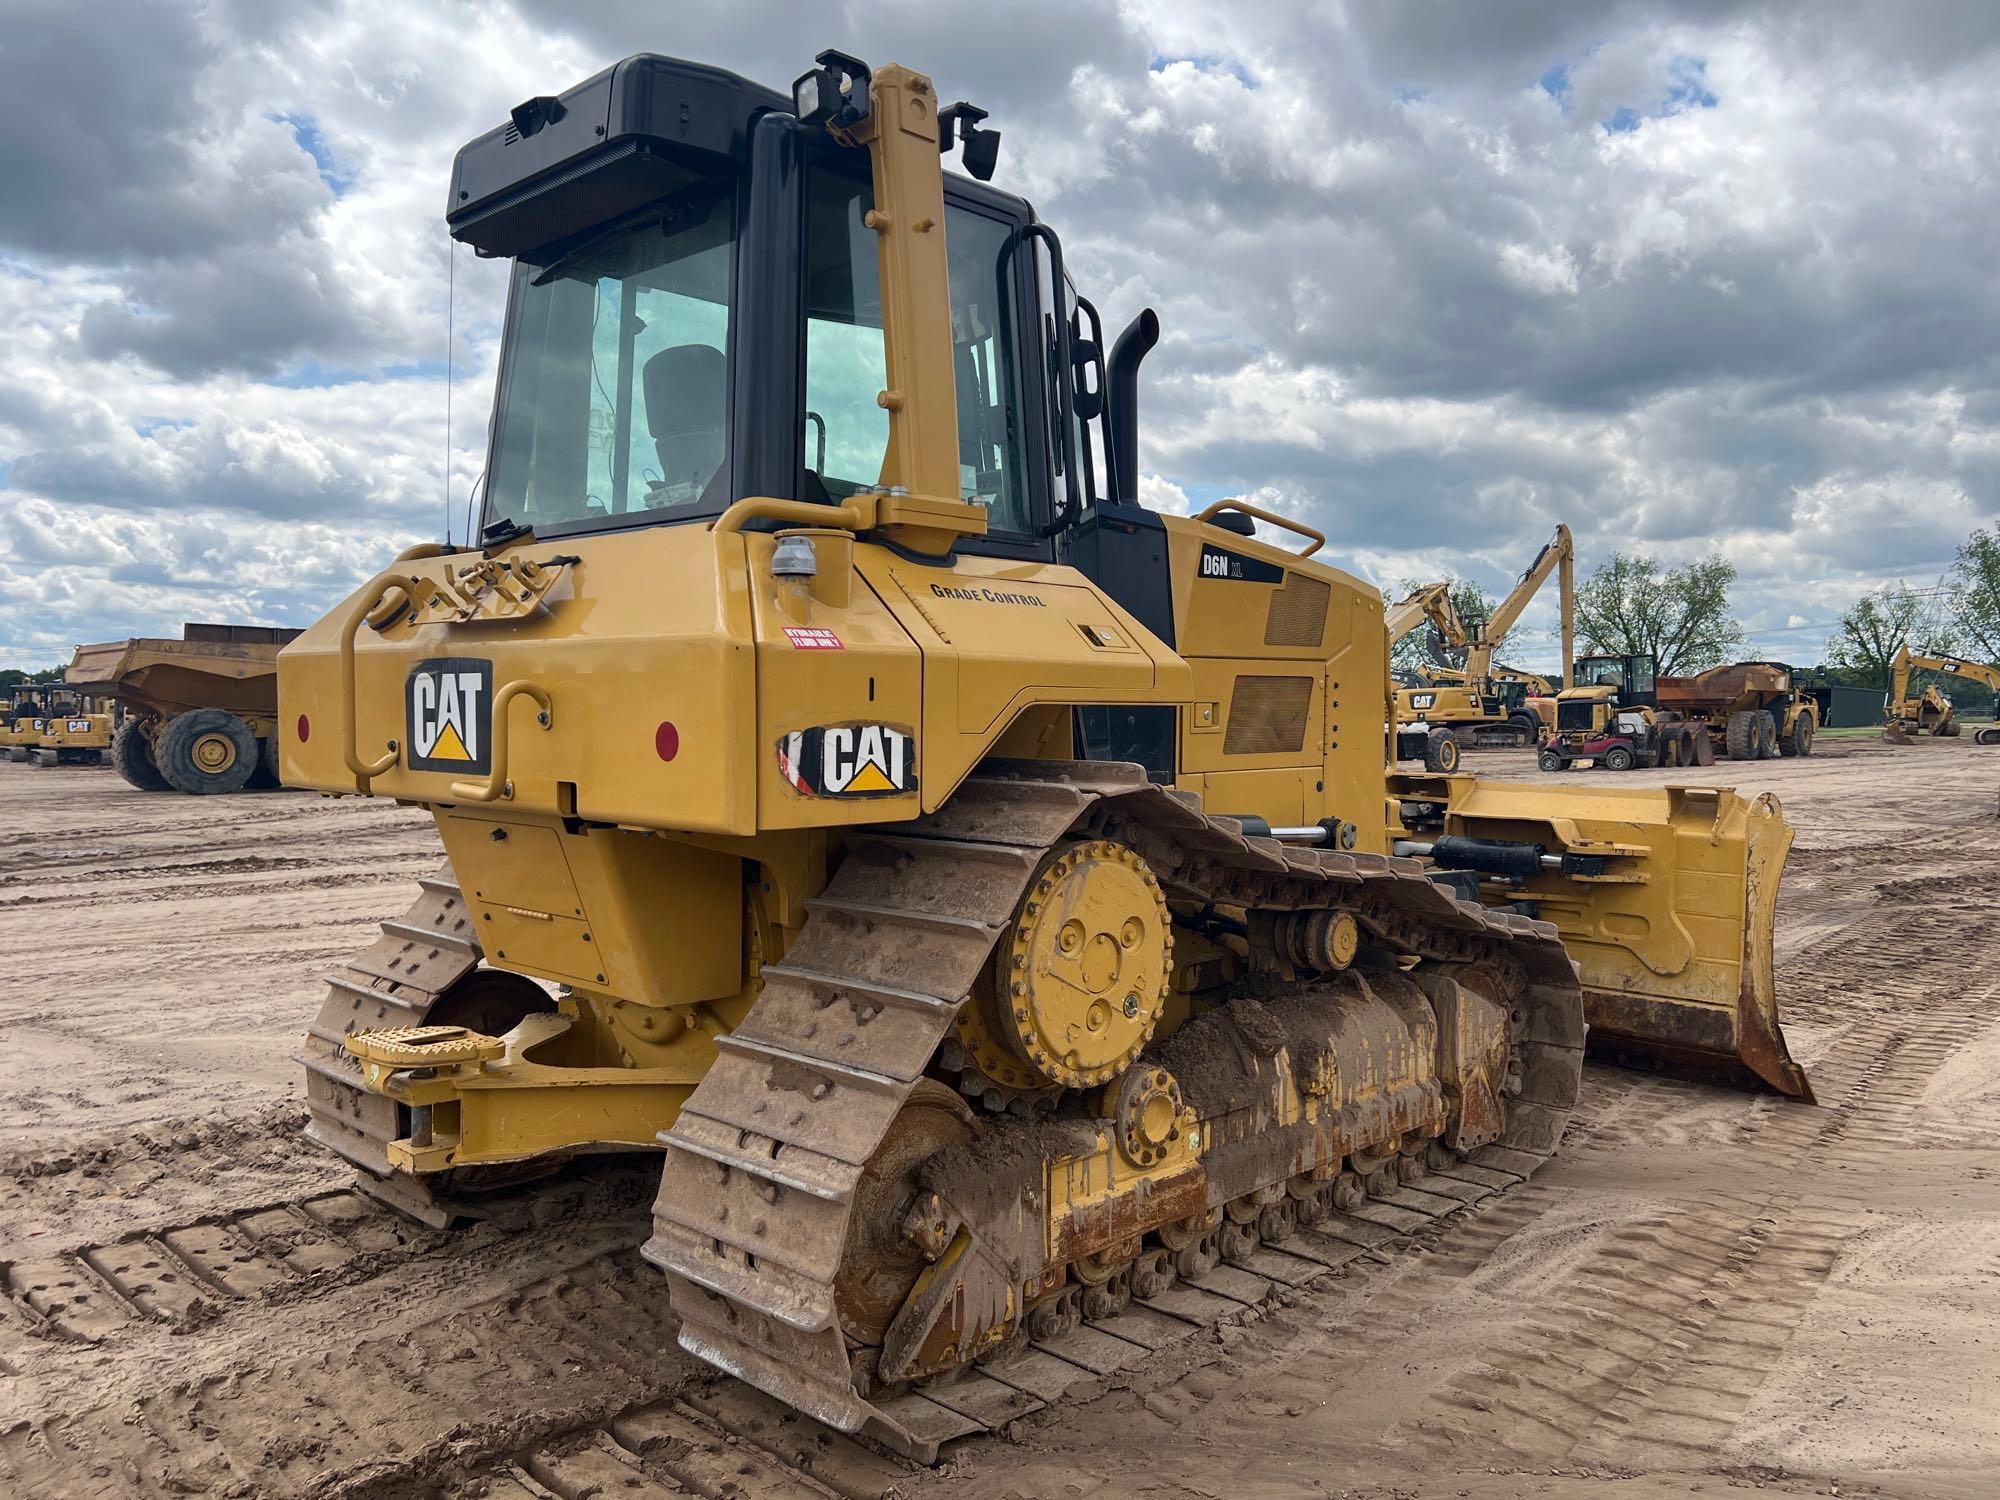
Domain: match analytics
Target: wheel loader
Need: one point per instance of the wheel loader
(993, 896)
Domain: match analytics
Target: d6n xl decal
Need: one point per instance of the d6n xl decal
(450, 715)
(850, 760)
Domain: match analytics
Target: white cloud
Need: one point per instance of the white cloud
(1432, 278)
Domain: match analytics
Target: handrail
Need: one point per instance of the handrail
(366, 607)
(1286, 523)
(497, 784)
(792, 512)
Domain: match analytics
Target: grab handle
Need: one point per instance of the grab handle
(497, 786)
(1285, 523)
(371, 607)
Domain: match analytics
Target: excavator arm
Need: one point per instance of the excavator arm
(1951, 666)
(1431, 602)
(1558, 556)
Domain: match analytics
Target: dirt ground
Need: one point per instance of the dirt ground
(1707, 1290)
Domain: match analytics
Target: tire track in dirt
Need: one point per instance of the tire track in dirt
(1689, 1307)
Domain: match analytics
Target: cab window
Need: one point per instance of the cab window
(844, 432)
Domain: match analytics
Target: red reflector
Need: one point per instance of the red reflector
(667, 740)
(305, 729)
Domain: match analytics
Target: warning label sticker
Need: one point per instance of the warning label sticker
(813, 638)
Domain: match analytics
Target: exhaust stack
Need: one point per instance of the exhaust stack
(1122, 377)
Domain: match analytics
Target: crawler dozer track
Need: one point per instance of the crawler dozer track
(820, 1148)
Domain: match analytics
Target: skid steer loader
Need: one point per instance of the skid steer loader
(993, 895)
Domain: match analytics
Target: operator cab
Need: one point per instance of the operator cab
(695, 313)
(1630, 678)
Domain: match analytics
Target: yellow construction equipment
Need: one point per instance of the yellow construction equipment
(1621, 714)
(1433, 723)
(1431, 602)
(25, 719)
(992, 894)
(78, 736)
(200, 714)
(1931, 712)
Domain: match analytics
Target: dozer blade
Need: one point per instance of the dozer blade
(1666, 900)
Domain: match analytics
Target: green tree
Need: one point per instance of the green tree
(1414, 652)
(1681, 615)
(1977, 613)
(12, 677)
(1873, 629)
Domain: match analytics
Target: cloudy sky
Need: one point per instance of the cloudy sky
(1436, 277)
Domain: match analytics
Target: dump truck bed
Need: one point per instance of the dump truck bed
(1735, 686)
(211, 666)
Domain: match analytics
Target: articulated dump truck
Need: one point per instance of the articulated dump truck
(993, 896)
(199, 713)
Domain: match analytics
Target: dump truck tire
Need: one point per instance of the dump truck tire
(205, 751)
(1763, 735)
(1527, 726)
(1441, 751)
(1739, 736)
(1799, 740)
(132, 758)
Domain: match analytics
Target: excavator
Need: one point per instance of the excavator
(1431, 602)
(1434, 723)
(993, 897)
(1931, 712)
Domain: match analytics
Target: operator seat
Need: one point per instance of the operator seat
(687, 409)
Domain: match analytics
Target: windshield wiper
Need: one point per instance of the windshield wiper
(503, 531)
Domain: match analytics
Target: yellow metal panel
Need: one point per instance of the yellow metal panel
(845, 664)
(1000, 638)
(627, 914)
(648, 628)
(1280, 797)
(1218, 683)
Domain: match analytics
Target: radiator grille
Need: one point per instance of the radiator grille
(1575, 714)
(1267, 715)
(1298, 612)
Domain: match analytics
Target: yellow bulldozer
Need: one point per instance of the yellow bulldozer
(1931, 712)
(1435, 721)
(994, 896)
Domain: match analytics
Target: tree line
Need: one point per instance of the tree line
(1631, 603)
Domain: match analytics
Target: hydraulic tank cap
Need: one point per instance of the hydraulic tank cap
(794, 557)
